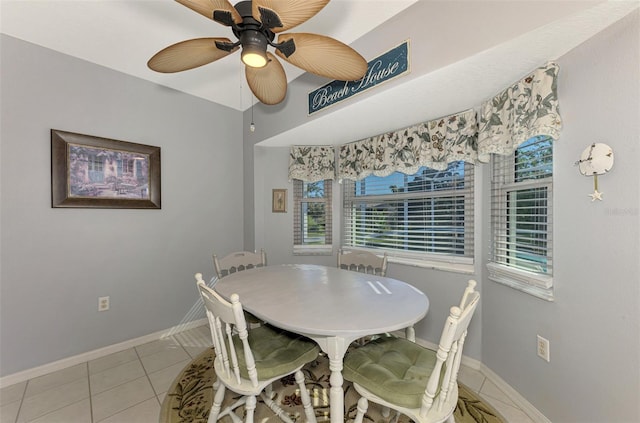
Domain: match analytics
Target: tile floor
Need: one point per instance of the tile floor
(129, 386)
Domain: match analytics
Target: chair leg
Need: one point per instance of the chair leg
(228, 411)
(217, 403)
(386, 412)
(282, 415)
(363, 405)
(306, 399)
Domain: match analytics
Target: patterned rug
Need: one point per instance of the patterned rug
(190, 396)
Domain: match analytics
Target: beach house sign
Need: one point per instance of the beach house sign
(385, 67)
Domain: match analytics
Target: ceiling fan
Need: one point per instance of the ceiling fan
(255, 23)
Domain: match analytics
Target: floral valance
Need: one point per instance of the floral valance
(526, 109)
(312, 163)
(434, 144)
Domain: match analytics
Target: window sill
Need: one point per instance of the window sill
(312, 250)
(466, 268)
(540, 286)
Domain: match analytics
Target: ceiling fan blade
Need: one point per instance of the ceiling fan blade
(291, 12)
(207, 7)
(324, 56)
(269, 83)
(188, 54)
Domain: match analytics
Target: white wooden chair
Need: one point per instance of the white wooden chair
(415, 381)
(366, 262)
(248, 362)
(238, 261)
(363, 261)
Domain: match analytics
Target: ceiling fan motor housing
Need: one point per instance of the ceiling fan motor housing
(258, 34)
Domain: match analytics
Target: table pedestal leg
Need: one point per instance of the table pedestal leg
(335, 348)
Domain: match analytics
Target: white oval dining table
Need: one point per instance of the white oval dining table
(332, 306)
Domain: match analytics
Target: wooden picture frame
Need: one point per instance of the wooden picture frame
(94, 172)
(279, 201)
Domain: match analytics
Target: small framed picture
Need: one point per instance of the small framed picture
(279, 201)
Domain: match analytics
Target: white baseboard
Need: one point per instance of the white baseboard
(92, 355)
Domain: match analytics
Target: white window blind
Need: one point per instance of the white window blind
(522, 215)
(428, 214)
(312, 213)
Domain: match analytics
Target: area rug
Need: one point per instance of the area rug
(189, 398)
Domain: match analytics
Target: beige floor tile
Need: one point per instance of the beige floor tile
(80, 412)
(195, 341)
(511, 414)
(472, 378)
(115, 376)
(112, 360)
(53, 399)
(12, 393)
(156, 346)
(162, 379)
(9, 411)
(120, 398)
(164, 358)
(55, 379)
(145, 412)
(490, 390)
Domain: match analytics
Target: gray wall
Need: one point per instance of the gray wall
(55, 263)
(594, 324)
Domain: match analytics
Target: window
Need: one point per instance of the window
(427, 216)
(127, 166)
(521, 210)
(95, 163)
(312, 216)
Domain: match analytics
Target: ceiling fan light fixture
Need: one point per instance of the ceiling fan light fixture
(254, 48)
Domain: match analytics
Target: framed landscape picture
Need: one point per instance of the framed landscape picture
(94, 172)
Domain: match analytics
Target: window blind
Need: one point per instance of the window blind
(429, 212)
(522, 210)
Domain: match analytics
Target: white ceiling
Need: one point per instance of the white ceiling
(124, 34)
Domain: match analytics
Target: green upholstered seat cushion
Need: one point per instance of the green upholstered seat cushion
(392, 368)
(276, 351)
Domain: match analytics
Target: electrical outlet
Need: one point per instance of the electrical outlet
(103, 303)
(543, 348)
